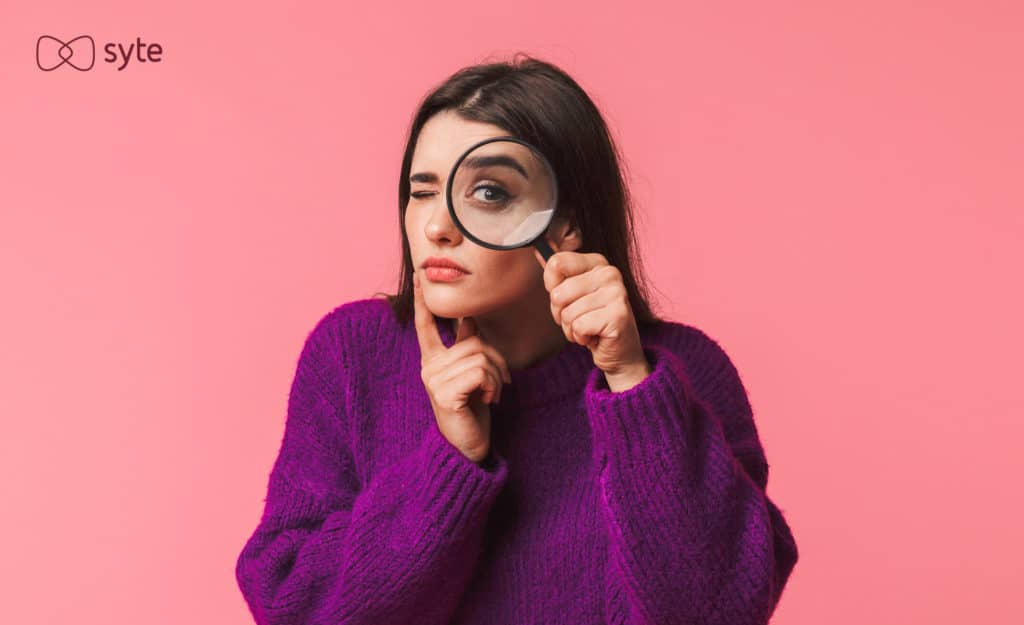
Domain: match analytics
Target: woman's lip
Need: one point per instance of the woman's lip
(438, 261)
(443, 274)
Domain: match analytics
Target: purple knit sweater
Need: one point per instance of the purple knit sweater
(645, 506)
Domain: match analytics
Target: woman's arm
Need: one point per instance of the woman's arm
(326, 550)
(694, 538)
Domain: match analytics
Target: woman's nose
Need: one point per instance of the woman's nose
(440, 225)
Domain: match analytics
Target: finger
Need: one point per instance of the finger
(492, 385)
(467, 347)
(539, 256)
(593, 323)
(575, 287)
(466, 365)
(469, 361)
(426, 328)
(467, 328)
(585, 304)
(565, 264)
(468, 381)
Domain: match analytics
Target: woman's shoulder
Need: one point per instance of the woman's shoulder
(349, 328)
(683, 338)
(704, 358)
(360, 312)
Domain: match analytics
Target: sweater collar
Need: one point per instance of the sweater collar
(548, 380)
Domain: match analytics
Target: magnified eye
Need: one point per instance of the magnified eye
(491, 194)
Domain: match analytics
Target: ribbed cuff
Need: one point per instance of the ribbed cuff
(456, 493)
(638, 423)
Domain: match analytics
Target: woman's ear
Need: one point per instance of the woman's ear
(567, 235)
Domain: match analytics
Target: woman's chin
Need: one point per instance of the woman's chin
(448, 301)
(463, 299)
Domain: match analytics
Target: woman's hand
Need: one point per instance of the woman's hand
(591, 303)
(461, 380)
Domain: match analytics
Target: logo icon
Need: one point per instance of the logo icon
(79, 53)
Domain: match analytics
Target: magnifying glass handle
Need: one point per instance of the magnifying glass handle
(545, 249)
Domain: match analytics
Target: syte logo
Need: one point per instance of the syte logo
(80, 53)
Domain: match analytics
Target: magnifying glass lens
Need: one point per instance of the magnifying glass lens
(503, 193)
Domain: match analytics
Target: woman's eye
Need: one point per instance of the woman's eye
(421, 194)
(490, 193)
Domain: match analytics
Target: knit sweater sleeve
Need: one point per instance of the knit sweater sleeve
(327, 549)
(693, 536)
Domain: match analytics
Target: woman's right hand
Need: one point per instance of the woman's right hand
(461, 380)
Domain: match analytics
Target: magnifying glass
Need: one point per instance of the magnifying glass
(502, 194)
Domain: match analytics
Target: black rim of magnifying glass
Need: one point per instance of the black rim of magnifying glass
(540, 242)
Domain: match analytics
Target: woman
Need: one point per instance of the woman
(515, 441)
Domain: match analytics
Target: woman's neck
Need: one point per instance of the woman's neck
(524, 333)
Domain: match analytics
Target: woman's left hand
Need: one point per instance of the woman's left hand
(591, 303)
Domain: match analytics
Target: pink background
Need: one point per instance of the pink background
(832, 192)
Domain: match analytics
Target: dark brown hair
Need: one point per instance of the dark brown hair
(539, 103)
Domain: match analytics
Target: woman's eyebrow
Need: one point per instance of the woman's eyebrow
(423, 176)
(496, 160)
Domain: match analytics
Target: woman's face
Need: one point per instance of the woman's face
(495, 278)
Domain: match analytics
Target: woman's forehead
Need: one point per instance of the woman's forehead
(444, 138)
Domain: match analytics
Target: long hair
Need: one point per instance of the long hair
(539, 103)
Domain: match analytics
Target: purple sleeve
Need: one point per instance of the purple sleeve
(328, 550)
(693, 537)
